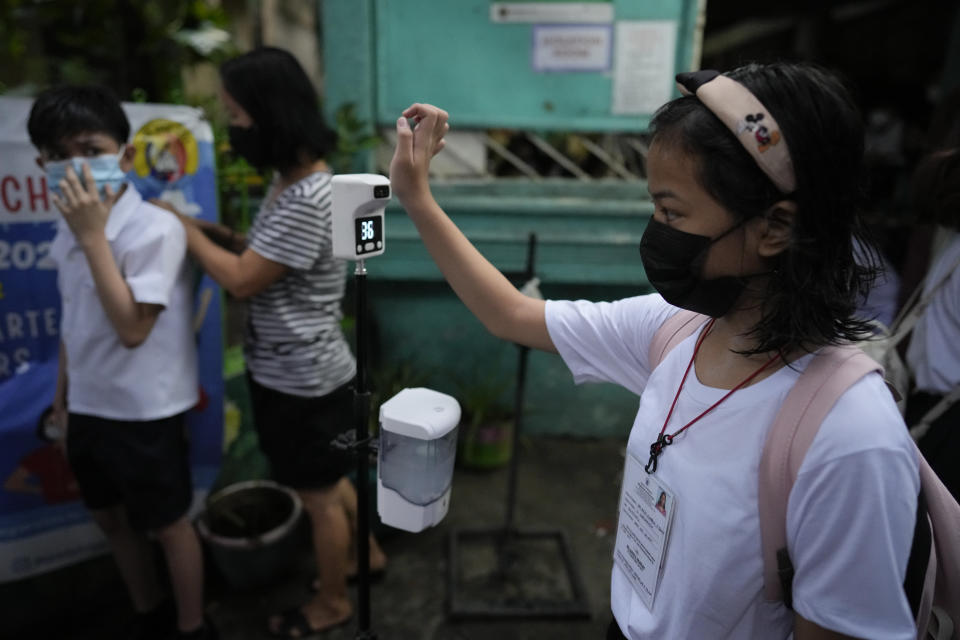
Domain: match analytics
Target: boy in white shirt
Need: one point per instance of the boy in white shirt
(128, 362)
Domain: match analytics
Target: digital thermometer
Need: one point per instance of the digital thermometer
(358, 203)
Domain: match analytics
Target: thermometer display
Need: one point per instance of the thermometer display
(369, 234)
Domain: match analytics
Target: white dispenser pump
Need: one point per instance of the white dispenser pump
(418, 446)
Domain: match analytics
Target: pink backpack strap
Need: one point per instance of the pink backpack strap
(944, 514)
(672, 332)
(832, 371)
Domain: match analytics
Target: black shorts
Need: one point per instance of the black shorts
(143, 466)
(295, 433)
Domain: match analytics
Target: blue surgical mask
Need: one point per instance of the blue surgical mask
(104, 168)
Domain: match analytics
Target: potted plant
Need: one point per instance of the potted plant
(250, 529)
(486, 428)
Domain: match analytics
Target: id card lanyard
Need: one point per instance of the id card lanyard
(665, 439)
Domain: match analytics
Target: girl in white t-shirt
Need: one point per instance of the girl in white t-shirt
(755, 180)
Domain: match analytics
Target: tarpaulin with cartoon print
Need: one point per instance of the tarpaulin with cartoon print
(42, 522)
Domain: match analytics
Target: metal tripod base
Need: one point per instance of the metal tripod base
(514, 587)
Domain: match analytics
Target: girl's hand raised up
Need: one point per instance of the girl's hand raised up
(503, 310)
(410, 167)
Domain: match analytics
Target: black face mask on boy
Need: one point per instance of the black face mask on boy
(674, 260)
(248, 142)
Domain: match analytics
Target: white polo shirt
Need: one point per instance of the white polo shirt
(158, 378)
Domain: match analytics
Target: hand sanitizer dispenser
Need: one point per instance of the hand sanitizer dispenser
(418, 446)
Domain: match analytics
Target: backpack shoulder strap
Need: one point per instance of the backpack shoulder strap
(832, 371)
(672, 332)
(944, 514)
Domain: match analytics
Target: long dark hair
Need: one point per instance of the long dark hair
(274, 89)
(817, 282)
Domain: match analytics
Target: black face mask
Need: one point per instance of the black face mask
(248, 142)
(674, 261)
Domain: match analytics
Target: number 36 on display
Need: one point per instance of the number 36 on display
(366, 230)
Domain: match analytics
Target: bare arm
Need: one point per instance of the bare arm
(132, 320)
(242, 275)
(87, 216)
(221, 235)
(503, 310)
(223, 254)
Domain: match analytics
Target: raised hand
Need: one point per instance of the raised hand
(410, 167)
(83, 210)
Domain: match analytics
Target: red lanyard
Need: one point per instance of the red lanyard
(665, 439)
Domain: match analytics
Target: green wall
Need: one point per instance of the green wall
(383, 55)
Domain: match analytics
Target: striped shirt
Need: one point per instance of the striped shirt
(294, 343)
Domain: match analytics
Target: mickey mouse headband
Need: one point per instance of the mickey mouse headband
(747, 118)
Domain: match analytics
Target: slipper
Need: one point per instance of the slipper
(376, 577)
(294, 624)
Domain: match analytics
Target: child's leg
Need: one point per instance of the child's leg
(295, 433)
(348, 498)
(181, 547)
(158, 492)
(331, 542)
(133, 554)
(90, 449)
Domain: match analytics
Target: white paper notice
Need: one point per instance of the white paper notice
(552, 12)
(572, 47)
(643, 65)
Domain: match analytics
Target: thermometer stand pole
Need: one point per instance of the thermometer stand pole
(361, 395)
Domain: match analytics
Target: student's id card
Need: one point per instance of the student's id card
(646, 511)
